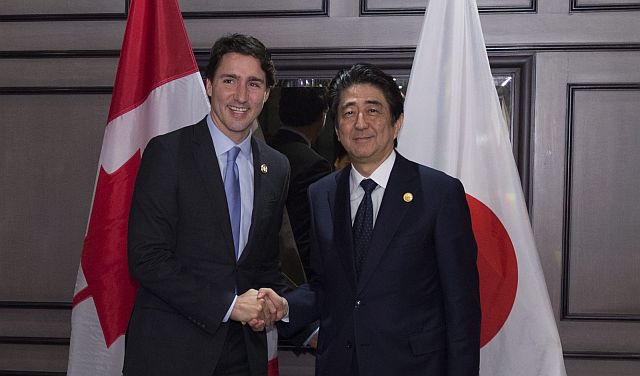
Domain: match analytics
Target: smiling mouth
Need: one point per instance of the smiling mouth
(238, 109)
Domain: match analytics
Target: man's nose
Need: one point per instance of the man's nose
(360, 122)
(241, 93)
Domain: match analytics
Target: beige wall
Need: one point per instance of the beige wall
(58, 61)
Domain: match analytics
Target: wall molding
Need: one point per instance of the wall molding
(368, 11)
(10, 304)
(54, 90)
(321, 11)
(302, 52)
(62, 17)
(601, 355)
(565, 313)
(47, 341)
(30, 373)
(67, 16)
(522, 67)
(576, 7)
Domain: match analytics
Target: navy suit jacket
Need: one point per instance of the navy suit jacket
(181, 252)
(415, 310)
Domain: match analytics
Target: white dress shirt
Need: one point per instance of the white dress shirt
(222, 145)
(381, 176)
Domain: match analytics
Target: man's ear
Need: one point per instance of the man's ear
(398, 125)
(209, 86)
(266, 96)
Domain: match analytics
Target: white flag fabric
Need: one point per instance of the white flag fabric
(158, 89)
(454, 123)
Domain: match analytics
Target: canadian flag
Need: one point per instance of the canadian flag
(453, 122)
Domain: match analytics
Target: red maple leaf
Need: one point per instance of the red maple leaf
(104, 255)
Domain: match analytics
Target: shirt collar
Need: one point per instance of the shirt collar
(380, 175)
(223, 144)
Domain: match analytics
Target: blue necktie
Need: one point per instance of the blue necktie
(363, 225)
(232, 190)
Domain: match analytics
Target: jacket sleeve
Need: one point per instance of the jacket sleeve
(303, 301)
(456, 257)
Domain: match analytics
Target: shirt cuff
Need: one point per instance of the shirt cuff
(286, 316)
(315, 333)
(233, 303)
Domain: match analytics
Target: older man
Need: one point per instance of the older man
(393, 258)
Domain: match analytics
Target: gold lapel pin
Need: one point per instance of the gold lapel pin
(407, 197)
(263, 168)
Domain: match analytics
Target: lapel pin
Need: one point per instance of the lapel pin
(407, 197)
(263, 168)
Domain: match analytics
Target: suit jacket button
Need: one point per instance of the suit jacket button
(357, 304)
(348, 345)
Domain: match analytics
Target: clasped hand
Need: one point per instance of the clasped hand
(259, 308)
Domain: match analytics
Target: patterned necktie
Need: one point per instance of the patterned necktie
(232, 190)
(363, 225)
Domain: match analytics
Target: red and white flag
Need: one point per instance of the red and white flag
(453, 122)
(158, 89)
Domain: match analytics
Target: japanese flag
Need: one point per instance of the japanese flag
(454, 123)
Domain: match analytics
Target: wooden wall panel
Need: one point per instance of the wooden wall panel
(604, 5)
(602, 367)
(33, 359)
(62, 10)
(34, 321)
(50, 143)
(601, 219)
(249, 8)
(576, 147)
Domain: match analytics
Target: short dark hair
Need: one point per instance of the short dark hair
(363, 73)
(301, 106)
(245, 45)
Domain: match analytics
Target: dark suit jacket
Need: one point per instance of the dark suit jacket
(415, 309)
(181, 252)
(307, 166)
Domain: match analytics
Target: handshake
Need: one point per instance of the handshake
(259, 308)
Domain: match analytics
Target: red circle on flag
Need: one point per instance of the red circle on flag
(497, 267)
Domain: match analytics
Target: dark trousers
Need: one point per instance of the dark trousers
(233, 360)
(354, 365)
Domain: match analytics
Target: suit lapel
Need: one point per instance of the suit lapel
(403, 179)
(342, 224)
(205, 155)
(262, 195)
